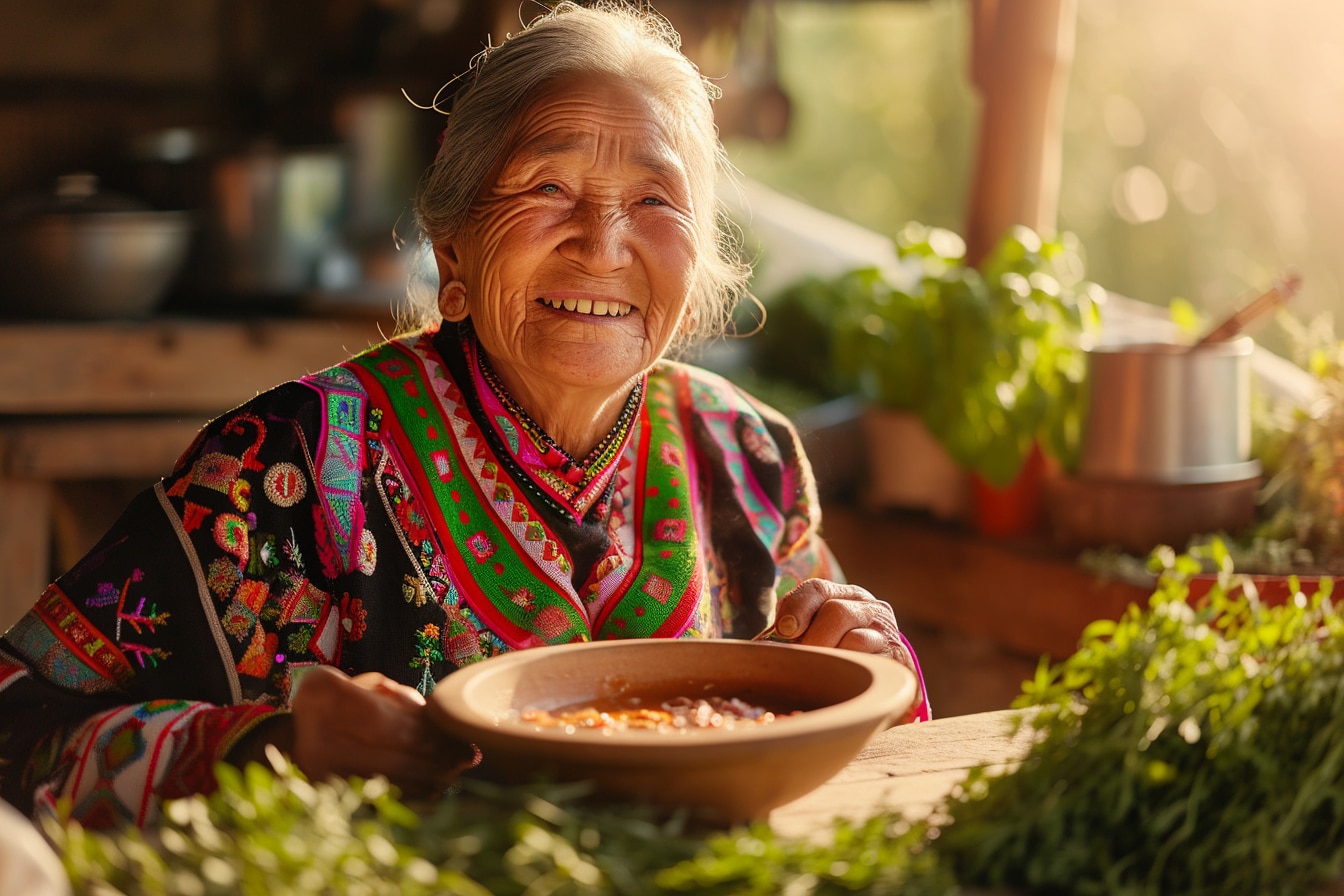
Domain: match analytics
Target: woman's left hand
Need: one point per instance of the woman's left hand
(823, 613)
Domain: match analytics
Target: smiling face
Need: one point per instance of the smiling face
(579, 260)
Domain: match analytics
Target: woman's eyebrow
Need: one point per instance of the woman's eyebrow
(659, 164)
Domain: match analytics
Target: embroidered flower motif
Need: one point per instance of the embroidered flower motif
(670, 530)
(193, 515)
(522, 597)
(428, 652)
(366, 558)
(354, 619)
(285, 485)
(216, 471)
(551, 623)
(254, 594)
(672, 456)
(231, 535)
(481, 547)
(292, 553)
(658, 588)
(443, 465)
(464, 648)
(239, 620)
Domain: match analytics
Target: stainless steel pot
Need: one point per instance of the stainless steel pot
(1170, 413)
(82, 253)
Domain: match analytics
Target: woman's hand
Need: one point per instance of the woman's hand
(828, 614)
(371, 725)
(823, 613)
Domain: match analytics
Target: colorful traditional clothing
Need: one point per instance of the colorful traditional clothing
(396, 513)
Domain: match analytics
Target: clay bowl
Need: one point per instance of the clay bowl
(727, 775)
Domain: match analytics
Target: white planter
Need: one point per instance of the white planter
(909, 468)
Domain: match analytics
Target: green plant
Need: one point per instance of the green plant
(273, 832)
(990, 359)
(1302, 451)
(1194, 749)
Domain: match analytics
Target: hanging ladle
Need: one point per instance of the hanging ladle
(1283, 289)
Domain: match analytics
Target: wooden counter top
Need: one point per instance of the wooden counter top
(908, 769)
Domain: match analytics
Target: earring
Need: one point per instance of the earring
(453, 300)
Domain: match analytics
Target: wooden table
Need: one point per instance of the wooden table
(121, 400)
(909, 768)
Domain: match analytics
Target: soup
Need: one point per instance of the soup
(672, 715)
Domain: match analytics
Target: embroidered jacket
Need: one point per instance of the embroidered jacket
(394, 514)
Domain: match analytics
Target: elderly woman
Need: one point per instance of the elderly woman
(527, 470)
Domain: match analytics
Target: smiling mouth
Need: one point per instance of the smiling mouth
(588, 306)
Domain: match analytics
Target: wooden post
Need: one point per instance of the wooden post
(1021, 51)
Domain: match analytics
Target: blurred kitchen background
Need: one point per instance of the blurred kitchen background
(1197, 160)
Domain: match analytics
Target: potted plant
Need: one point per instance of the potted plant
(988, 362)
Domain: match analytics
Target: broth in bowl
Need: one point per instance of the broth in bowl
(673, 716)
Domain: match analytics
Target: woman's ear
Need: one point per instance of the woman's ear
(452, 290)
(445, 259)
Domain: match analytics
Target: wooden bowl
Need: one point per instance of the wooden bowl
(729, 775)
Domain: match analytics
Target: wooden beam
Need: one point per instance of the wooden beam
(1021, 52)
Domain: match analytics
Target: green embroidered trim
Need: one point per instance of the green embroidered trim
(666, 592)
(513, 597)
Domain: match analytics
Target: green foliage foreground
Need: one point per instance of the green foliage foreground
(1182, 749)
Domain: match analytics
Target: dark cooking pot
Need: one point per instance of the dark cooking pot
(81, 253)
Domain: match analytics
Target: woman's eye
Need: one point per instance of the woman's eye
(652, 200)
(551, 189)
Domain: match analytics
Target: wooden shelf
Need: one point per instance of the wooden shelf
(164, 366)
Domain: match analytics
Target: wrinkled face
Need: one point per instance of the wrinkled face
(579, 260)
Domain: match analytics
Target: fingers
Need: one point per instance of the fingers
(381, 684)
(822, 613)
(370, 725)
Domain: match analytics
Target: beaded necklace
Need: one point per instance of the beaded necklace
(570, 486)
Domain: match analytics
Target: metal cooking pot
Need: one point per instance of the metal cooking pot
(1169, 413)
(81, 253)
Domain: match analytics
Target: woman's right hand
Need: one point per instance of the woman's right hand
(371, 725)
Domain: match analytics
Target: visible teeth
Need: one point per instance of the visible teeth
(600, 308)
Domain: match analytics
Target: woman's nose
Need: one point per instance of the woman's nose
(600, 242)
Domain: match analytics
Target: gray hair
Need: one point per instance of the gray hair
(623, 43)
